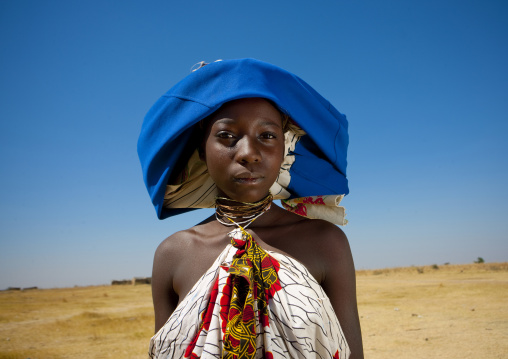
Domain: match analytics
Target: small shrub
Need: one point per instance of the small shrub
(435, 266)
(480, 260)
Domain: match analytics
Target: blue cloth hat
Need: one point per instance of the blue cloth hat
(168, 134)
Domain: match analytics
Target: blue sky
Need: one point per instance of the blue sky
(424, 86)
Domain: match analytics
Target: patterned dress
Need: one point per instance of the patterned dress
(252, 303)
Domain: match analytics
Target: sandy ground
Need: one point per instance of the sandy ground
(450, 312)
(418, 312)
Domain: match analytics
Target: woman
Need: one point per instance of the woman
(254, 280)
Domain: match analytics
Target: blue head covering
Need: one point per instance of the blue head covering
(168, 134)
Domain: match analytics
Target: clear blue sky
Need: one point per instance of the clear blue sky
(424, 85)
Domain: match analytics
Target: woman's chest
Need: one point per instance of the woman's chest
(200, 257)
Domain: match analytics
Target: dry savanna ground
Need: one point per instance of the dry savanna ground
(453, 311)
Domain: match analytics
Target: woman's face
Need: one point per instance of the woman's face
(244, 148)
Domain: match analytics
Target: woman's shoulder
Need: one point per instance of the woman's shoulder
(173, 247)
(316, 243)
(325, 240)
(316, 232)
(179, 242)
(176, 240)
(200, 241)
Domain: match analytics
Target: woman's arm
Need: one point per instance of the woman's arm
(164, 297)
(339, 284)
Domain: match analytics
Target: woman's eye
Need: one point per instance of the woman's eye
(268, 135)
(225, 135)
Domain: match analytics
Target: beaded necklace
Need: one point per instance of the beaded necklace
(240, 213)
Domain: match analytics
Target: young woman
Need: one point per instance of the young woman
(254, 280)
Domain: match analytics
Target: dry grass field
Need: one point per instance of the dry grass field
(453, 311)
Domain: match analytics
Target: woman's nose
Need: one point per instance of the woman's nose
(247, 151)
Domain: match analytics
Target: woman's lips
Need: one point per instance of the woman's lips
(248, 178)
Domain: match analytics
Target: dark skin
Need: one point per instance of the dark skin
(243, 148)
